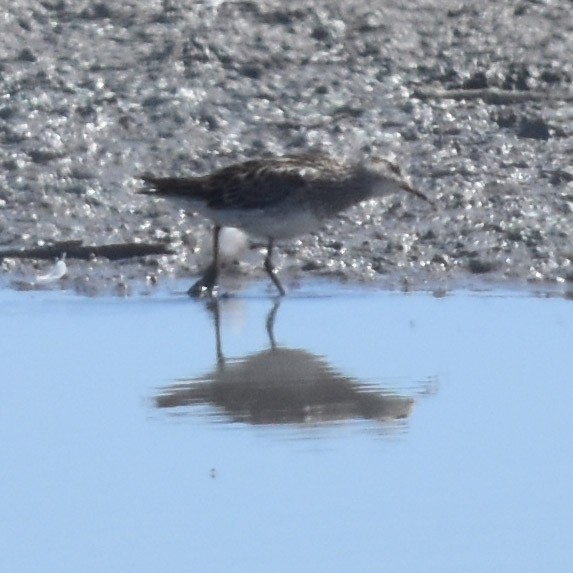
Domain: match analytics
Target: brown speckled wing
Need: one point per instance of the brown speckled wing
(256, 185)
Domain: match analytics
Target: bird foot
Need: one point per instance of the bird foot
(206, 286)
(201, 290)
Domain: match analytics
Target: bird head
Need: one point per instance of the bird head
(387, 177)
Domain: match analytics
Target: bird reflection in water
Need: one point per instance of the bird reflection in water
(282, 385)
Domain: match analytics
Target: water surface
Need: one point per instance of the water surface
(359, 432)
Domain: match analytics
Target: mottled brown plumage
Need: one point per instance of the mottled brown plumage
(278, 197)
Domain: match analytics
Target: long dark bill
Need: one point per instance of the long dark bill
(407, 187)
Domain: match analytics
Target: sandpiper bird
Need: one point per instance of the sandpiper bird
(278, 198)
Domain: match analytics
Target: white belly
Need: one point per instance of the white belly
(273, 224)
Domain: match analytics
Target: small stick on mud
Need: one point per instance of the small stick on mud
(76, 250)
(492, 96)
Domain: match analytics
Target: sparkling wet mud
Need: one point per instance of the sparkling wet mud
(474, 103)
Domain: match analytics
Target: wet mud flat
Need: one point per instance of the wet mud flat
(475, 103)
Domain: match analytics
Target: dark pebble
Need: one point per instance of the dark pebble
(311, 266)
(533, 128)
(475, 82)
(481, 266)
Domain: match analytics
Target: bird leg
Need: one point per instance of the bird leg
(207, 284)
(270, 269)
(271, 324)
(214, 308)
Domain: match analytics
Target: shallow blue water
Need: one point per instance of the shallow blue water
(476, 476)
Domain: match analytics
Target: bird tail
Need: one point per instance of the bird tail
(177, 186)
